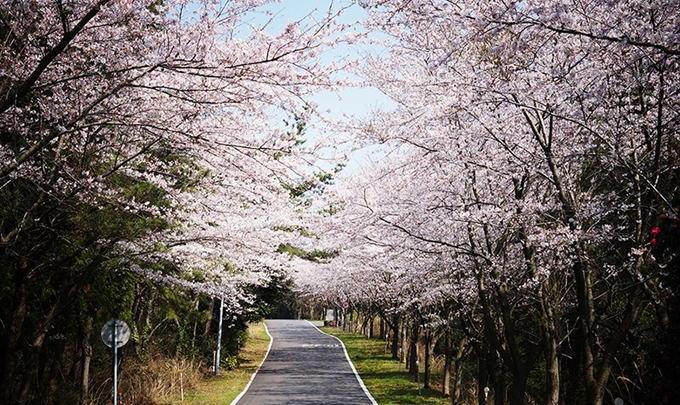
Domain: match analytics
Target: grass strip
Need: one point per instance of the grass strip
(223, 389)
(387, 383)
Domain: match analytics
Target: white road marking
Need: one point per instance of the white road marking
(344, 349)
(252, 377)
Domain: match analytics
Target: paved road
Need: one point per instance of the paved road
(304, 367)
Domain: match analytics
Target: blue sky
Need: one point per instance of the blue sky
(350, 101)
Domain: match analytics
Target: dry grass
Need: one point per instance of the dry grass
(150, 379)
(161, 381)
(143, 381)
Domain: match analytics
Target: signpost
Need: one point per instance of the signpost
(115, 334)
(219, 338)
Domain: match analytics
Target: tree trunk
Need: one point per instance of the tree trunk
(519, 386)
(413, 350)
(448, 355)
(499, 386)
(13, 334)
(381, 327)
(483, 375)
(595, 393)
(426, 376)
(87, 358)
(404, 353)
(552, 367)
(395, 337)
(461, 350)
(457, 380)
(491, 377)
(36, 347)
(574, 392)
(585, 307)
(547, 321)
(364, 325)
(208, 322)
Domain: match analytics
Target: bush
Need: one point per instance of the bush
(229, 363)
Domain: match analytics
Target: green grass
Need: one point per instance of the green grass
(381, 375)
(223, 389)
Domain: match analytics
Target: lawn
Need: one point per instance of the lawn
(382, 376)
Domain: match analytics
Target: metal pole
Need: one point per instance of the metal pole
(114, 344)
(219, 339)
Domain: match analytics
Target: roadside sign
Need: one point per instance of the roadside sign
(115, 334)
(122, 332)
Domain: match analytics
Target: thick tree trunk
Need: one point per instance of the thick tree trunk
(483, 375)
(552, 369)
(381, 327)
(491, 376)
(448, 355)
(457, 360)
(413, 350)
(519, 386)
(30, 374)
(364, 325)
(499, 388)
(573, 385)
(446, 375)
(457, 380)
(395, 337)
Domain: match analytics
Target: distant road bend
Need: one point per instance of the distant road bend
(304, 367)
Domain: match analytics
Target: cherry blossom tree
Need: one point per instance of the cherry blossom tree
(144, 135)
(537, 145)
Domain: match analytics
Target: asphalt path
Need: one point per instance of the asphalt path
(304, 366)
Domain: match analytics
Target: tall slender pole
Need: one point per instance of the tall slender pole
(114, 345)
(219, 338)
